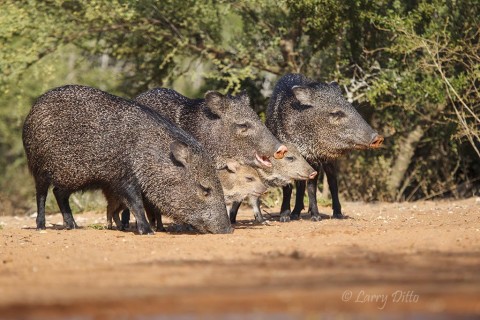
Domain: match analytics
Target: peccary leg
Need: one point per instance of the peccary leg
(150, 216)
(312, 199)
(331, 172)
(255, 203)
(234, 210)
(285, 209)
(135, 204)
(298, 200)
(154, 215)
(113, 211)
(62, 197)
(125, 219)
(42, 191)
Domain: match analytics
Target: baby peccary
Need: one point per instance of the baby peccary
(292, 167)
(225, 125)
(317, 119)
(79, 138)
(239, 181)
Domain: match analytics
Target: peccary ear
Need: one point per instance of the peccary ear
(244, 97)
(336, 87)
(215, 102)
(232, 166)
(302, 94)
(180, 153)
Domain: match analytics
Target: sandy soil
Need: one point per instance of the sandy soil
(393, 260)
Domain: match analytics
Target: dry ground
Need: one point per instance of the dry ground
(389, 260)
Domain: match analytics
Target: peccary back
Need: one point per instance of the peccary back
(226, 125)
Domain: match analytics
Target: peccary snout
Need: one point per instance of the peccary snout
(280, 153)
(220, 229)
(376, 142)
(313, 175)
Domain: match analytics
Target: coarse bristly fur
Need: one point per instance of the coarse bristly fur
(79, 138)
(315, 117)
(225, 125)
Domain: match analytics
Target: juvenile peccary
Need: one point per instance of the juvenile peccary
(237, 180)
(79, 138)
(292, 167)
(316, 118)
(225, 125)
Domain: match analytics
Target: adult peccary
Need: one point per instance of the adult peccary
(79, 138)
(316, 118)
(225, 125)
(292, 167)
(238, 181)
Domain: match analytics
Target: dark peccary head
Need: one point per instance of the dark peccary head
(79, 138)
(317, 119)
(226, 125)
(239, 181)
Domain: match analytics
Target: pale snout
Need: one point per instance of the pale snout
(376, 141)
(280, 153)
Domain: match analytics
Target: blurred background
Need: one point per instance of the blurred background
(412, 68)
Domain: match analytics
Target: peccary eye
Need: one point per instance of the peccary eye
(289, 158)
(337, 114)
(243, 127)
(205, 191)
(249, 179)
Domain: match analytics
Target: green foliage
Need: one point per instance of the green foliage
(409, 66)
(96, 226)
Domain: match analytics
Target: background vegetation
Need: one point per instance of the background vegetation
(411, 67)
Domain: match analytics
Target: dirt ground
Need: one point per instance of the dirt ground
(392, 261)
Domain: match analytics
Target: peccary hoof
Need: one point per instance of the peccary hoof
(40, 228)
(316, 218)
(69, 225)
(125, 226)
(162, 229)
(295, 216)
(338, 216)
(146, 231)
(285, 219)
(233, 220)
(259, 218)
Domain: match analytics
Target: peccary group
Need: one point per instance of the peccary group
(165, 154)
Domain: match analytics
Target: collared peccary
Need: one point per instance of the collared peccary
(316, 118)
(239, 181)
(225, 125)
(79, 138)
(292, 167)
